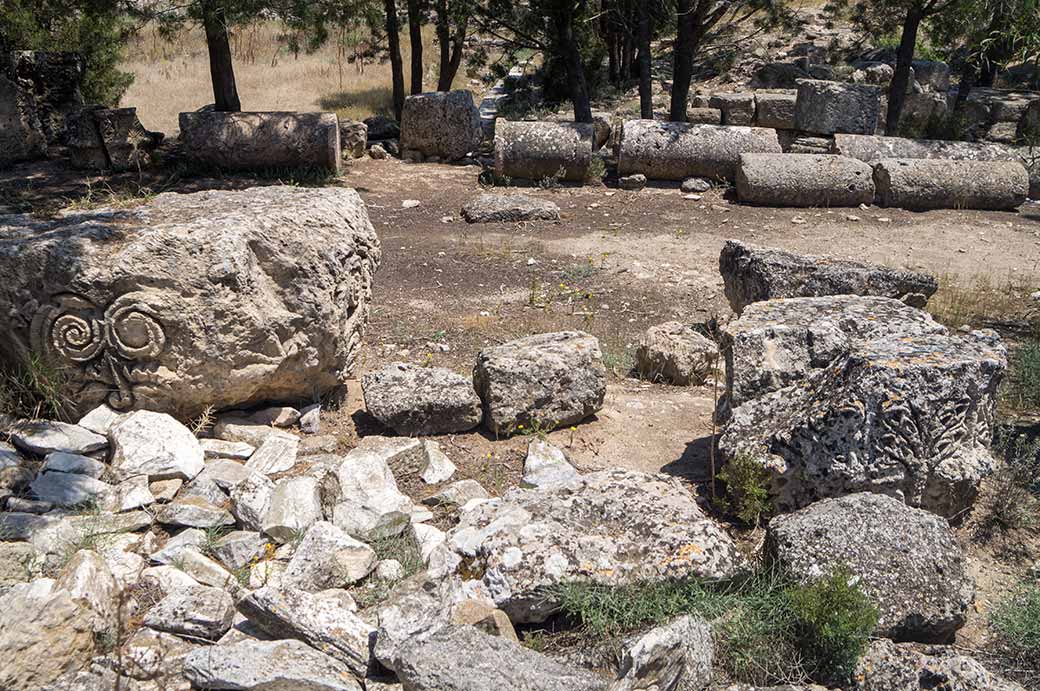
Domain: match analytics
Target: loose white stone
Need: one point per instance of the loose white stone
(156, 445)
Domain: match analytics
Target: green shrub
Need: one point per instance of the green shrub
(747, 489)
(766, 629)
(597, 169)
(833, 620)
(1016, 623)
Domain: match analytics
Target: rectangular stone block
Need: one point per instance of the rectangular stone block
(826, 107)
(775, 110)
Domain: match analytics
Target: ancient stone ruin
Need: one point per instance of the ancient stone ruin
(258, 141)
(837, 395)
(516, 441)
(152, 307)
(754, 274)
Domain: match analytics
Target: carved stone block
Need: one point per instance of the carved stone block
(908, 414)
(215, 298)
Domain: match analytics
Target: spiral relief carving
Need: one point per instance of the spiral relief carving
(105, 344)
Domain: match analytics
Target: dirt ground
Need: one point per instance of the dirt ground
(617, 263)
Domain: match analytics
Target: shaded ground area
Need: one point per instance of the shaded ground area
(617, 263)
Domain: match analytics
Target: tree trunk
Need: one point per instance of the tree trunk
(627, 57)
(451, 46)
(443, 41)
(393, 38)
(221, 68)
(682, 70)
(610, 38)
(646, 103)
(901, 77)
(969, 77)
(415, 8)
(576, 82)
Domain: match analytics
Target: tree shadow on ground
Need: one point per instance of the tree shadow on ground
(694, 465)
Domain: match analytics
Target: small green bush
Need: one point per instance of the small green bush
(597, 169)
(833, 620)
(1016, 623)
(747, 489)
(767, 630)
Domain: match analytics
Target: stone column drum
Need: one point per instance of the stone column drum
(255, 141)
(538, 150)
(679, 150)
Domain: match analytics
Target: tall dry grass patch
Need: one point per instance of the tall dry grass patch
(980, 300)
(172, 74)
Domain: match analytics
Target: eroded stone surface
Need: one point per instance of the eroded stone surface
(200, 611)
(490, 662)
(887, 666)
(156, 445)
(44, 633)
(753, 274)
(318, 621)
(370, 504)
(677, 354)
(906, 560)
(442, 123)
(217, 298)
(267, 665)
(613, 527)
(673, 656)
(540, 382)
(509, 208)
(414, 401)
(328, 558)
(900, 412)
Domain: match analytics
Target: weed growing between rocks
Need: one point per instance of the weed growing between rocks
(1016, 625)
(597, 169)
(1022, 389)
(1016, 499)
(35, 390)
(747, 490)
(767, 629)
(619, 361)
(400, 548)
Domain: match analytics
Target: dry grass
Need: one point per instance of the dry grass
(172, 76)
(981, 300)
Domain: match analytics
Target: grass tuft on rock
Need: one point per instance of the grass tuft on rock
(767, 629)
